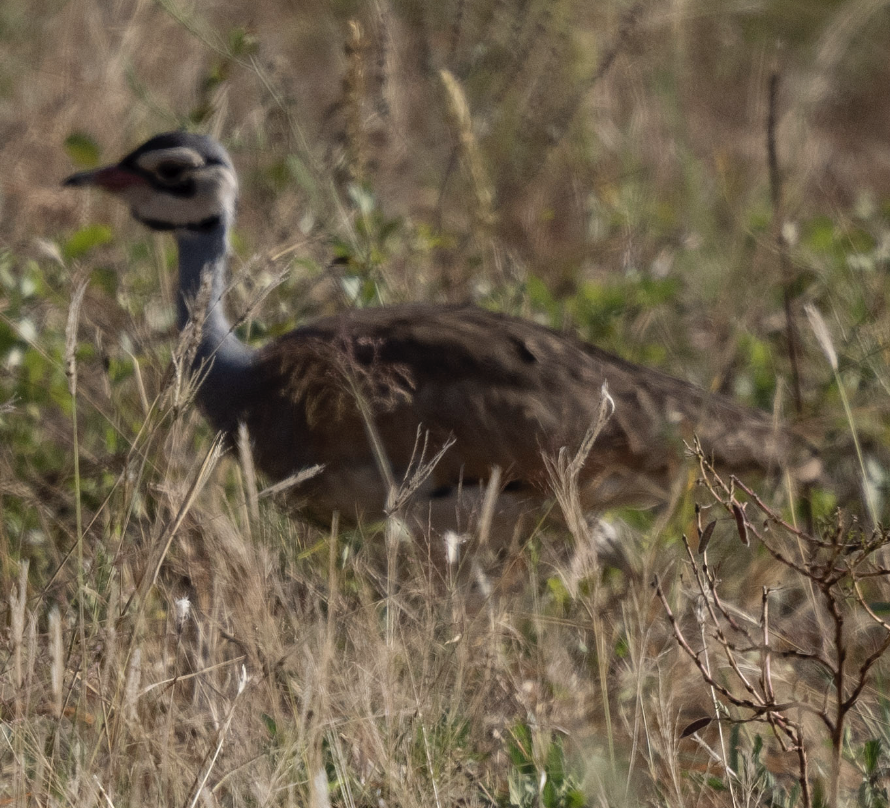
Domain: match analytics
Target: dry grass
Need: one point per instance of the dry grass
(172, 638)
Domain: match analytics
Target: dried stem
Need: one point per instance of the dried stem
(832, 564)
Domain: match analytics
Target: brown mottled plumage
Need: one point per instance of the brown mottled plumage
(507, 391)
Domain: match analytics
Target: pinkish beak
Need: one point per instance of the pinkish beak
(111, 178)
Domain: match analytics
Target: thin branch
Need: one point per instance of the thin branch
(759, 709)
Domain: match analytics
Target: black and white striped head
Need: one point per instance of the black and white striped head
(175, 181)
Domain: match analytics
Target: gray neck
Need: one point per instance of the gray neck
(226, 364)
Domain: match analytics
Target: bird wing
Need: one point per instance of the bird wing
(508, 391)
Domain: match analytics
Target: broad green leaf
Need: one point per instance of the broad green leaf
(86, 239)
(82, 150)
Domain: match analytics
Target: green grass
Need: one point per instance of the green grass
(624, 199)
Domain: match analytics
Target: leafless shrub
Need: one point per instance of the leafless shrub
(758, 666)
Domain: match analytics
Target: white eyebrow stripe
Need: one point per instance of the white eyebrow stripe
(180, 154)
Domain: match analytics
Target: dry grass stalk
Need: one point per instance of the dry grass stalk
(489, 501)
(17, 603)
(787, 273)
(823, 337)
(565, 471)
(354, 92)
(245, 455)
(71, 335)
(161, 545)
(187, 378)
(57, 661)
(71, 372)
(210, 761)
(294, 481)
(418, 472)
(472, 156)
(132, 686)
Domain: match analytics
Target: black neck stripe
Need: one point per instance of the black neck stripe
(202, 226)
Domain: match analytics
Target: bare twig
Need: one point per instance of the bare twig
(831, 565)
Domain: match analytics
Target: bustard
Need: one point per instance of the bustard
(507, 391)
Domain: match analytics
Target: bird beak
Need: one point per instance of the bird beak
(114, 179)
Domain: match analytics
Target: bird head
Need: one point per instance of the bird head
(175, 181)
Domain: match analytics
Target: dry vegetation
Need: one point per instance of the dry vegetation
(172, 638)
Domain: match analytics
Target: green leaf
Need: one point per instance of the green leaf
(106, 279)
(271, 726)
(82, 150)
(871, 751)
(302, 175)
(561, 595)
(622, 647)
(556, 774)
(242, 42)
(520, 748)
(575, 798)
(86, 239)
(758, 748)
(651, 292)
(734, 738)
(549, 795)
(8, 339)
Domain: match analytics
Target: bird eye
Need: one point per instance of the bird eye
(169, 171)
